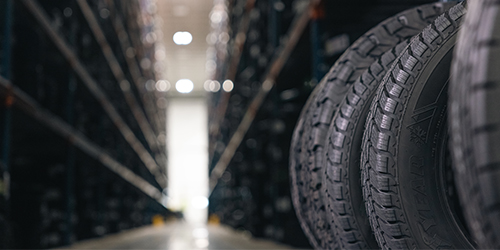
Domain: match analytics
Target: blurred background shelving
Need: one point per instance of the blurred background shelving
(89, 98)
(82, 154)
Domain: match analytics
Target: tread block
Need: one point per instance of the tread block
(394, 26)
(400, 75)
(382, 183)
(367, 45)
(386, 200)
(345, 72)
(429, 35)
(442, 23)
(386, 59)
(353, 98)
(359, 87)
(334, 173)
(347, 110)
(409, 62)
(389, 215)
(345, 223)
(338, 194)
(319, 137)
(339, 207)
(338, 139)
(388, 104)
(457, 12)
(392, 230)
(394, 89)
(341, 124)
(382, 120)
(419, 48)
(335, 157)
(326, 112)
(430, 11)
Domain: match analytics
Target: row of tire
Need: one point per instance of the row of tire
(399, 144)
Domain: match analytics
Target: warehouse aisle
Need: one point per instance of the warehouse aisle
(179, 236)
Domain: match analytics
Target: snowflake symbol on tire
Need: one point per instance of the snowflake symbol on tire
(418, 135)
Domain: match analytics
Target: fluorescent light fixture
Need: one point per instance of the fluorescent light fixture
(184, 86)
(182, 38)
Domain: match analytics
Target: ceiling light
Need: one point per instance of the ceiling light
(182, 38)
(162, 85)
(184, 86)
(227, 85)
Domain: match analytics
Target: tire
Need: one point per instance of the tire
(475, 121)
(308, 140)
(404, 167)
(342, 172)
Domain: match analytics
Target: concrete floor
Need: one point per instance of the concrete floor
(179, 236)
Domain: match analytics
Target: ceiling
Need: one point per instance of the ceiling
(185, 61)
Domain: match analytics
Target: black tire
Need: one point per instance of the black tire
(308, 140)
(404, 165)
(342, 176)
(475, 120)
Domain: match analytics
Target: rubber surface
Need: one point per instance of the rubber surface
(307, 154)
(475, 120)
(404, 146)
(342, 173)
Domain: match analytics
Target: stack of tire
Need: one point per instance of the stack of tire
(385, 156)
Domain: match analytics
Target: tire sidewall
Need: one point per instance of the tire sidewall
(420, 152)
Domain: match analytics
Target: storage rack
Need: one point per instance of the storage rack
(83, 150)
(287, 50)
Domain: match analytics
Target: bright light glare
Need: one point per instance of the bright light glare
(227, 85)
(214, 86)
(162, 85)
(211, 86)
(201, 243)
(160, 55)
(184, 86)
(199, 202)
(182, 38)
(210, 65)
(206, 85)
(200, 233)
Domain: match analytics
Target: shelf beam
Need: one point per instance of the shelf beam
(117, 71)
(234, 62)
(96, 91)
(26, 104)
(298, 26)
(133, 67)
